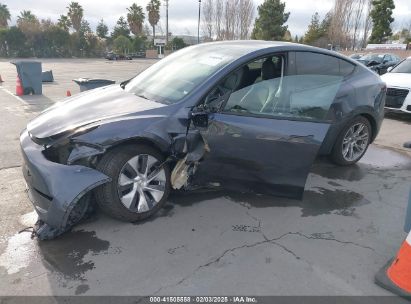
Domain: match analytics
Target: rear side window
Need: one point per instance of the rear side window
(308, 63)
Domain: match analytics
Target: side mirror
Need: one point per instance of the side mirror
(407, 145)
(200, 119)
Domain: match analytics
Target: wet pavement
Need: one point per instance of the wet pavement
(214, 241)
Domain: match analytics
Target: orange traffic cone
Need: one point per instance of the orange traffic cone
(19, 87)
(396, 275)
(68, 93)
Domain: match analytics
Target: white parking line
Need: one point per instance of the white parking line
(15, 96)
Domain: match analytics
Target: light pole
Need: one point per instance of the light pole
(199, 16)
(166, 21)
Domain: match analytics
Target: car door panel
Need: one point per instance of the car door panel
(273, 154)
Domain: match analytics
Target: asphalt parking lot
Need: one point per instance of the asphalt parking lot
(348, 225)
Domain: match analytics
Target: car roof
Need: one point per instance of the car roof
(243, 47)
(255, 45)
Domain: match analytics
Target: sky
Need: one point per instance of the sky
(183, 14)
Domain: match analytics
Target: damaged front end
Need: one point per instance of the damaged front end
(60, 174)
(59, 193)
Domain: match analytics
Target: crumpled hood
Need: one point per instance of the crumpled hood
(402, 80)
(86, 108)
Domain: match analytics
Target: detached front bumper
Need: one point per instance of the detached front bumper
(55, 189)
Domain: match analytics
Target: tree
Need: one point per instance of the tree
(358, 16)
(178, 43)
(138, 44)
(208, 18)
(367, 24)
(85, 27)
(381, 15)
(339, 31)
(15, 39)
(4, 15)
(135, 18)
(246, 16)
(122, 44)
(55, 41)
(64, 22)
(26, 17)
(153, 8)
(269, 24)
(102, 29)
(314, 30)
(30, 26)
(121, 28)
(75, 13)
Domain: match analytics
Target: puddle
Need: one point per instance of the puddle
(18, 254)
(331, 171)
(385, 158)
(66, 253)
(314, 203)
(324, 201)
(376, 158)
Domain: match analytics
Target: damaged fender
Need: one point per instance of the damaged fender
(193, 146)
(55, 189)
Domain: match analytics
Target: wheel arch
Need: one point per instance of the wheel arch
(163, 148)
(373, 124)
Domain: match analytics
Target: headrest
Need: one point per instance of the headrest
(268, 69)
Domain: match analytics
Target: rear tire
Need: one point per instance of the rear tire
(129, 196)
(353, 142)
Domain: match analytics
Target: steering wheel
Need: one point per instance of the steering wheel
(215, 94)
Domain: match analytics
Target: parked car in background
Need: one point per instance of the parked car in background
(379, 63)
(113, 56)
(398, 81)
(356, 56)
(139, 54)
(248, 114)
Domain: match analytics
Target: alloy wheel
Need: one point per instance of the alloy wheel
(355, 142)
(141, 183)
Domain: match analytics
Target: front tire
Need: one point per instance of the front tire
(139, 186)
(353, 142)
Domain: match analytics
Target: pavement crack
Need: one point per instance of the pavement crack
(265, 241)
(10, 167)
(317, 237)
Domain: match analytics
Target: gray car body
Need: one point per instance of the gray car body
(97, 126)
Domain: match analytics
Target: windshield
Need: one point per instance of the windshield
(373, 57)
(176, 76)
(403, 67)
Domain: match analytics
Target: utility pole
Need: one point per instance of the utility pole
(166, 21)
(199, 17)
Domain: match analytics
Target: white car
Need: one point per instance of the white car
(398, 82)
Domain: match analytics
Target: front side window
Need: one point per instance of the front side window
(273, 93)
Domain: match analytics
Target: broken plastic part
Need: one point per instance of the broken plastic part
(179, 176)
(81, 210)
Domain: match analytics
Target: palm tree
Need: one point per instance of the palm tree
(135, 18)
(4, 15)
(26, 17)
(64, 22)
(153, 8)
(75, 13)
